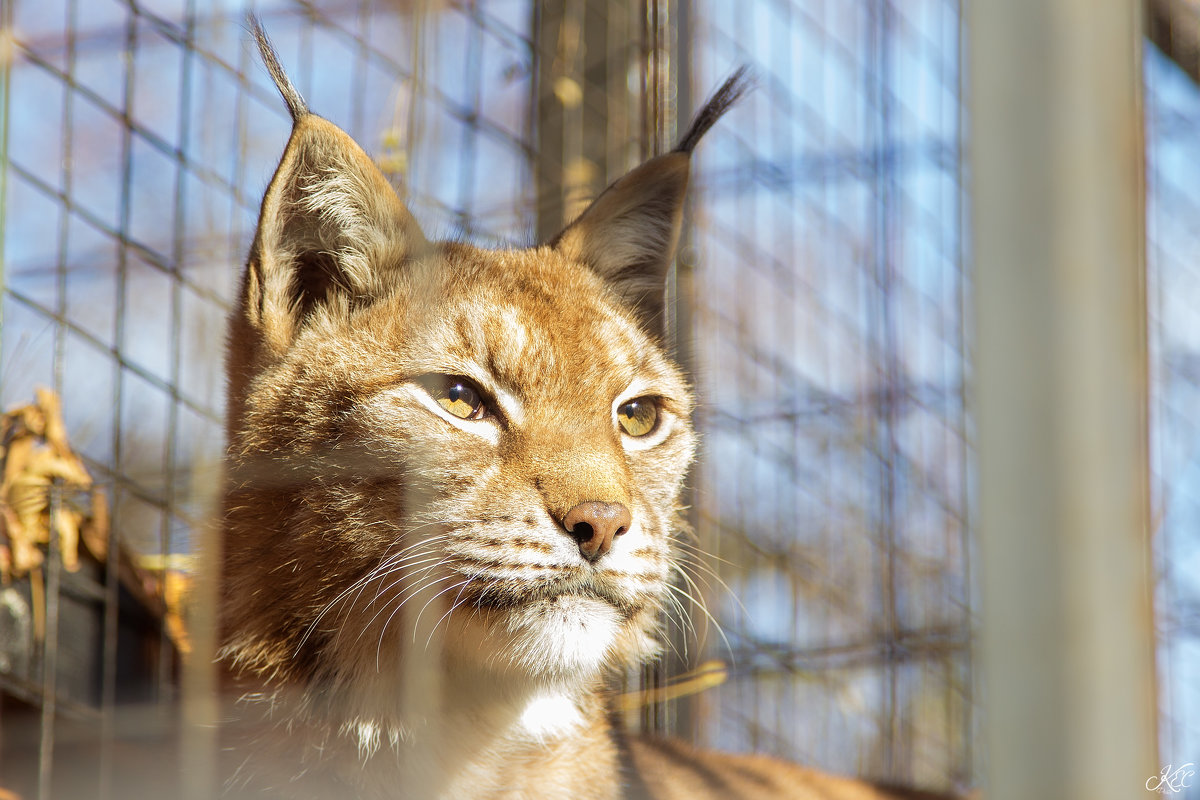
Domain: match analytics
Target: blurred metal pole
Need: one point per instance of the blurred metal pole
(8, 53)
(584, 108)
(201, 701)
(1060, 397)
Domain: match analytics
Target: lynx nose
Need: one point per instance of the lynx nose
(595, 524)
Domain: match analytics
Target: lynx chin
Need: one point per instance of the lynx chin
(451, 498)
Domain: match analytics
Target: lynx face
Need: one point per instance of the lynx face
(452, 495)
(439, 452)
(440, 437)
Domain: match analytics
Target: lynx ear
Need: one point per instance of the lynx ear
(629, 233)
(331, 228)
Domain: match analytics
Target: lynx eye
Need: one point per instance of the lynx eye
(458, 396)
(638, 417)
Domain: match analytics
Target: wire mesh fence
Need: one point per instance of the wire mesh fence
(831, 348)
(820, 300)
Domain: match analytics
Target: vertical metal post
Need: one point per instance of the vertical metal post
(8, 53)
(884, 350)
(664, 98)
(201, 701)
(1060, 397)
(49, 654)
(557, 103)
(681, 295)
(581, 102)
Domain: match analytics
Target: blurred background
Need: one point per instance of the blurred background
(822, 301)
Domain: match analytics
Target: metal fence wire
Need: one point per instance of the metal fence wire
(819, 301)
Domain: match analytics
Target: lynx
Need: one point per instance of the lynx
(452, 493)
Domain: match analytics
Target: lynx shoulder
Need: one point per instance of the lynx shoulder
(452, 487)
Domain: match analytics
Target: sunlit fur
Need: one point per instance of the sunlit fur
(403, 613)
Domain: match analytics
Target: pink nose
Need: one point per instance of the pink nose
(595, 524)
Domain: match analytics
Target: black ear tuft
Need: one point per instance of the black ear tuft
(629, 233)
(295, 102)
(735, 87)
(332, 233)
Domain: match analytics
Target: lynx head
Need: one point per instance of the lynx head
(439, 448)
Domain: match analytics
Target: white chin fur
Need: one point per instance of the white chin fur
(562, 638)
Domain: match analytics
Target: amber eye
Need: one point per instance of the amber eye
(457, 395)
(638, 417)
